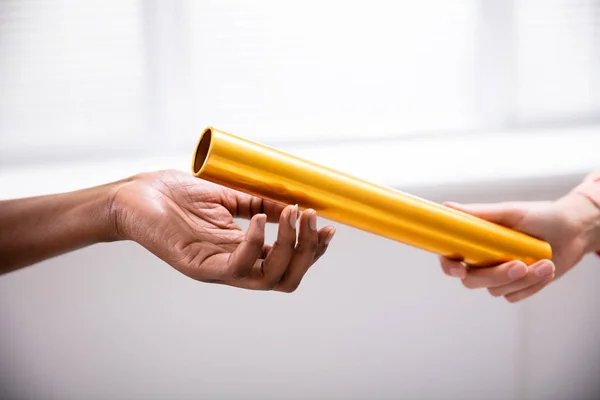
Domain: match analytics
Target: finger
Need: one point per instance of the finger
(507, 213)
(266, 273)
(253, 281)
(453, 268)
(530, 291)
(241, 261)
(495, 276)
(325, 236)
(272, 210)
(304, 253)
(256, 279)
(248, 206)
(537, 273)
(281, 254)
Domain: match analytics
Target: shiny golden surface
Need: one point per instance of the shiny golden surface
(262, 171)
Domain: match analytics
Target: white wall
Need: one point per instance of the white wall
(373, 319)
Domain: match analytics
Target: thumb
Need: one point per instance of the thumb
(508, 213)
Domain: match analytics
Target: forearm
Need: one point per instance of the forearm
(37, 228)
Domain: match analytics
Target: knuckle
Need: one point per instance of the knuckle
(313, 246)
(239, 272)
(494, 292)
(319, 254)
(270, 283)
(310, 246)
(282, 244)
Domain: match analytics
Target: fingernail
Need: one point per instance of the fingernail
(544, 269)
(294, 216)
(456, 272)
(261, 220)
(312, 220)
(329, 236)
(517, 271)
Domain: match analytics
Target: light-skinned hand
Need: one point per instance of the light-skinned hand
(569, 224)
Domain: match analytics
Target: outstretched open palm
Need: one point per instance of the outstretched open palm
(189, 223)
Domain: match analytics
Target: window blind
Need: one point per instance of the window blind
(557, 62)
(112, 75)
(282, 71)
(73, 75)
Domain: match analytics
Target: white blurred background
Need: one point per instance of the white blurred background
(469, 100)
(112, 77)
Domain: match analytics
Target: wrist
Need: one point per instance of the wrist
(115, 210)
(584, 214)
(91, 215)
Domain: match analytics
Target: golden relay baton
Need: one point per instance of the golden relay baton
(268, 173)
